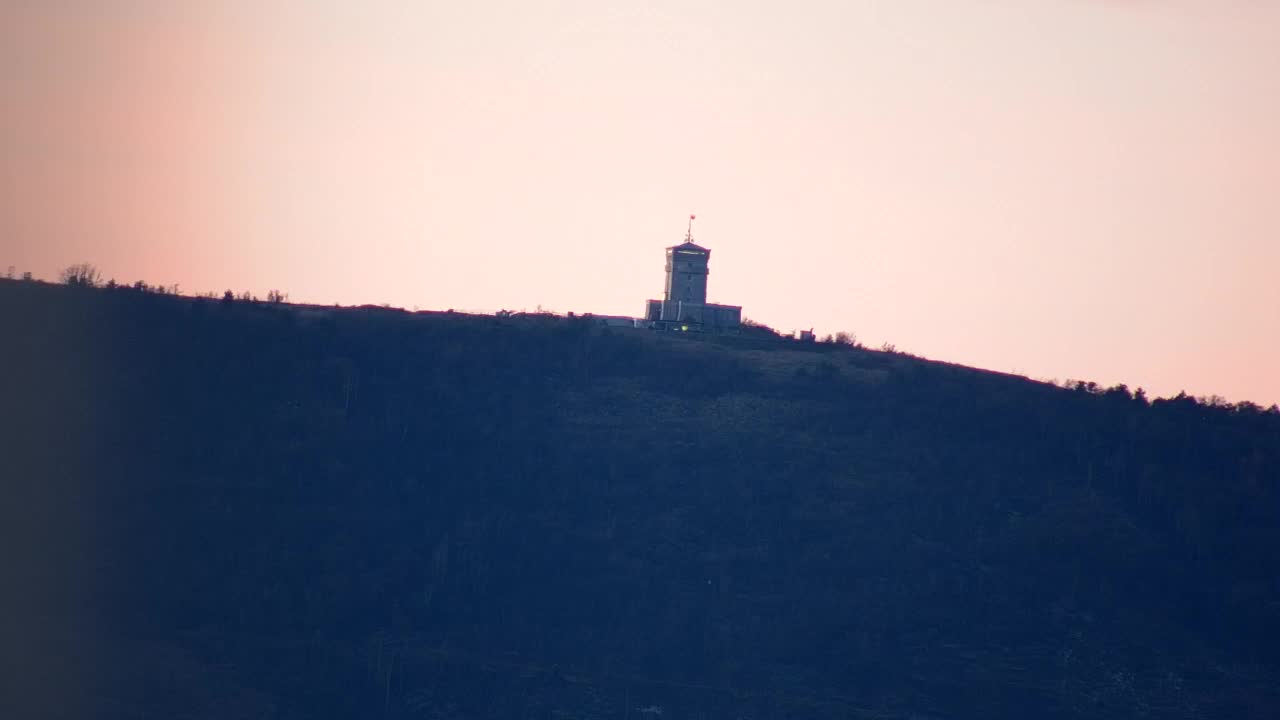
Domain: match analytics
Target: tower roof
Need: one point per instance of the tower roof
(689, 245)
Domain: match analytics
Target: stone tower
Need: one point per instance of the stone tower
(684, 303)
(687, 272)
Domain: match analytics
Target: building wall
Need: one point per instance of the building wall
(687, 275)
(698, 316)
(726, 317)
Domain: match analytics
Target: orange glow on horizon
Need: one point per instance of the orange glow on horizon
(1090, 202)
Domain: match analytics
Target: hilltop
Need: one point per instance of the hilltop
(235, 509)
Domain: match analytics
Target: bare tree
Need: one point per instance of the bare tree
(81, 274)
(275, 296)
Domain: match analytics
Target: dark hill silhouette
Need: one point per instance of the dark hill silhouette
(235, 509)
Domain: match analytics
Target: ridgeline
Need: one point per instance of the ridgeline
(235, 509)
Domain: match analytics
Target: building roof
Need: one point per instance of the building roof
(689, 245)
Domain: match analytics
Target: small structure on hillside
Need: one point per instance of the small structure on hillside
(684, 303)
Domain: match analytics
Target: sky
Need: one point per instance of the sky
(1078, 189)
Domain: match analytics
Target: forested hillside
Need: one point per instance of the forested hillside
(241, 510)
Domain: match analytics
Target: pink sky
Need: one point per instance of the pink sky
(1059, 188)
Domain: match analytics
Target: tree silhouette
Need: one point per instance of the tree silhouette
(81, 275)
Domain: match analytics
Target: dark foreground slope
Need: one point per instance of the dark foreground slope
(232, 510)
